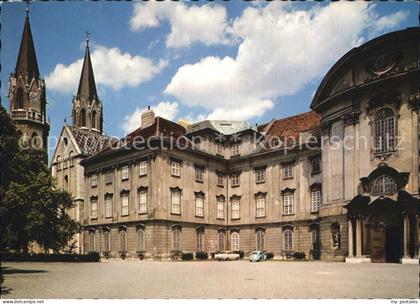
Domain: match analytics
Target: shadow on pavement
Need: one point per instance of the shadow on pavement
(9, 270)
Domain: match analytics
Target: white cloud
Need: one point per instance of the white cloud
(205, 23)
(281, 50)
(388, 22)
(164, 109)
(112, 68)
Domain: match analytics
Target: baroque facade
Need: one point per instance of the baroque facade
(340, 182)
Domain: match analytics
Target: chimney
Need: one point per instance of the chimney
(147, 118)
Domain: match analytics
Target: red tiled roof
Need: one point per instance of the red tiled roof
(161, 128)
(294, 125)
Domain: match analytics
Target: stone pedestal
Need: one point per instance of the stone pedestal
(414, 261)
(357, 260)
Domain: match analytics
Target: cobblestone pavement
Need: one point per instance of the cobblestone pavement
(210, 279)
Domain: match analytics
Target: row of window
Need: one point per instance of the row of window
(176, 196)
(260, 173)
(288, 239)
(141, 241)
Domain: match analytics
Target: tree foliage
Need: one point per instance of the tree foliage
(31, 210)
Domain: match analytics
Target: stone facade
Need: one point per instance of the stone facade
(299, 184)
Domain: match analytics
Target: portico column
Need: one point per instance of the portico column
(406, 236)
(416, 237)
(351, 248)
(358, 237)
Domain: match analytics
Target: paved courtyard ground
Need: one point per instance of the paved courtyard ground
(210, 279)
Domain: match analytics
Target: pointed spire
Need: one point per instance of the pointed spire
(87, 86)
(26, 62)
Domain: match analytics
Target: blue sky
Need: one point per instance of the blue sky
(194, 60)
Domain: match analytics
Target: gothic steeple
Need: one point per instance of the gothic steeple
(26, 62)
(87, 107)
(27, 94)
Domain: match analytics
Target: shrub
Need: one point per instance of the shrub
(54, 257)
(141, 256)
(201, 255)
(240, 252)
(269, 255)
(187, 256)
(299, 255)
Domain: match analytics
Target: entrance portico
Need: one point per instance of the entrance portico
(384, 230)
(383, 222)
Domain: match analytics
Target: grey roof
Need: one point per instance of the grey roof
(225, 127)
(91, 142)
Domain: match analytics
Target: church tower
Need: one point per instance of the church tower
(27, 95)
(87, 110)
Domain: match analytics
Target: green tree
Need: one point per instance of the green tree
(31, 209)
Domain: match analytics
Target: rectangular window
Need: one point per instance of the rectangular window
(176, 202)
(124, 205)
(94, 180)
(142, 202)
(315, 200)
(220, 149)
(220, 209)
(260, 206)
(316, 165)
(143, 168)
(108, 206)
(108, 177)
(199, 206)
(175, 168)
(92, 241)
(220, 179)
(288, 204)
(288, 171)
(236, 212)
(199, 174)
(260, 176)
(124, 173)
(94, 209)
(235, 150)
(235, 179)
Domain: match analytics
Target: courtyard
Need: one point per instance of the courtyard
(210, 279)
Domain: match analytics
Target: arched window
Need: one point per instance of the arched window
(176, 239)
(83, 118)
(384, 185)
(66, 181)
(141, 240)
(34, 140)
(221, 240)
(235, 241)
(384, 130)
(19, 98)
(200, 240)
(94, 119)
(315, 238)
(123, 241)
(335, 235)
(260, 240)
(288, 240)
(107, 241)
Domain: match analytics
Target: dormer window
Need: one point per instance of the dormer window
(384, 185)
